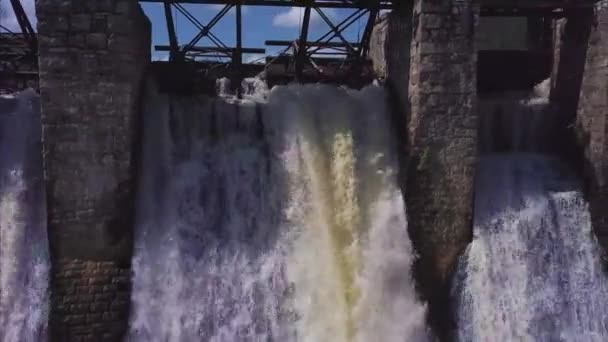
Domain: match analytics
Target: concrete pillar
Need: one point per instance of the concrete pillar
(442, 144)
(93, 56)
(592, 122)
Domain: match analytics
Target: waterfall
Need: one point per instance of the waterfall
(533, 271)
(274, 218)
(24, 255)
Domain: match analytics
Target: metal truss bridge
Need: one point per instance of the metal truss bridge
(18, 52)
(302, 51)
(20, 48)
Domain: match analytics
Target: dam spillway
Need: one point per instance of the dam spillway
(93, 61)
(24, 249)
(533, 271)
(273, 220)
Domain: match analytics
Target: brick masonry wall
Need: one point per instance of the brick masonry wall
(442, 145)
(93, 57)
(90, 300)
(592, 122)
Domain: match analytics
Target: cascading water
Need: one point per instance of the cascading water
(273, 220)
(533, 271)
(24, 259)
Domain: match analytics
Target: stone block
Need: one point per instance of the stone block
(432, 20)
(125, 7)
(100, 23)
(120, 24)
(53, 41)
(80, 22)
(104, 6)
(77, 41)
(97, 41)
(53, 24)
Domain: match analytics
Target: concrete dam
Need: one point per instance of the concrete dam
(439, 175)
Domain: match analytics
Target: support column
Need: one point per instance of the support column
(93, 57)
(570, 50)
(442, 144)
(592, 122)
(390, 53)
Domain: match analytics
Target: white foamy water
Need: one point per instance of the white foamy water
(24, 256)
(273, 220)
(533, 271)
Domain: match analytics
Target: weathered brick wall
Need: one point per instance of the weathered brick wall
(592, 122)
(442, 144)
(93, 56)
(89, 300)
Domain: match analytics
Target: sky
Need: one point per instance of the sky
(259, 24)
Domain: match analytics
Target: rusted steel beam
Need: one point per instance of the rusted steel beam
(227, 50)
(388, 4)
(367, 33)
(335, 30)
(171, 30)
(346, 23)
(239, 36)
(26, 26)
(301, 52)
(313, 44)
(287, 3)
(237, 59)
(199, 25)
(205, 30)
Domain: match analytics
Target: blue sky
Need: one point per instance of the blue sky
(259, 24)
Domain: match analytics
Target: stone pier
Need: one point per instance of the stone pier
(442, 145)
(431, 60)
(592, 121)
(579, 94)
(93, 55)
(571, 37)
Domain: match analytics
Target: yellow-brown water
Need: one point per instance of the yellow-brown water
(280, 220)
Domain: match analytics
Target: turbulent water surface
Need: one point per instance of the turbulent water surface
(533, 270)
(275, 219)
(24, 260)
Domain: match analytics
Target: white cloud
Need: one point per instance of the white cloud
(8, 18)
(294, 16)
